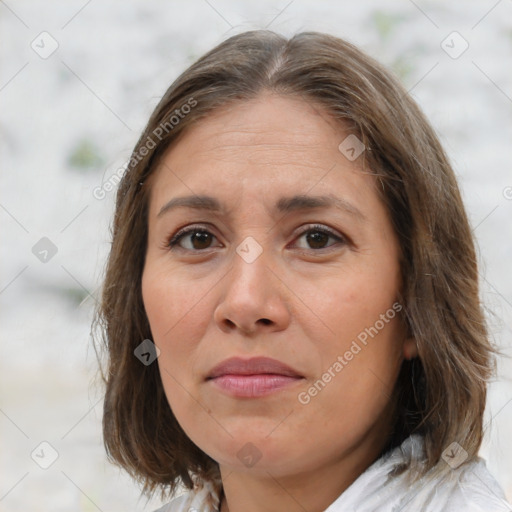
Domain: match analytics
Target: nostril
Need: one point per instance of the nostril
(266, 321)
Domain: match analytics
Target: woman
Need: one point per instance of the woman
(291, 309)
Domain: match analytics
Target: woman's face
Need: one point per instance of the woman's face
(292, 258)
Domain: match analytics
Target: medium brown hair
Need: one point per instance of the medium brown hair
(441, 394)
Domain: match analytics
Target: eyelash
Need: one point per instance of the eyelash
(174, 240)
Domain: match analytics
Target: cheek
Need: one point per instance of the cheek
(363, 300)
(356, 383)
(177, 314)
(363, 349)
(171, 303)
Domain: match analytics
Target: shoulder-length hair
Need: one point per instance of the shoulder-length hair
(440, 394)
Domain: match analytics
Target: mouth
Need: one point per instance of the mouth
(252, 378)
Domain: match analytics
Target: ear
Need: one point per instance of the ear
(410, 348)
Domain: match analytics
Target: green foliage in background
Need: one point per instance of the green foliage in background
(85, 156)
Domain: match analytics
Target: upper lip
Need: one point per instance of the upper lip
(253, 366)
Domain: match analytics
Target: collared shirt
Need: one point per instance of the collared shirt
(460, 487)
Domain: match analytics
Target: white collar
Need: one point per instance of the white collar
(468, 487)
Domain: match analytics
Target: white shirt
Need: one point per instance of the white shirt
(468, 487)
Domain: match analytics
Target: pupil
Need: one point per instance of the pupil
(315, 240)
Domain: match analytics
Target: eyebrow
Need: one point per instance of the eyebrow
(283, 205)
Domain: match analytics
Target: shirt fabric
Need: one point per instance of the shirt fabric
(468, 487)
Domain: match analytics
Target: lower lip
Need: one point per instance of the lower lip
(252, 386)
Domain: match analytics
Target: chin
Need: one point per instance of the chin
(253, 451)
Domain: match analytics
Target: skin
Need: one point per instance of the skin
(301, 302)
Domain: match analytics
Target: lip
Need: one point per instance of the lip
(253, 366)
(252, 378)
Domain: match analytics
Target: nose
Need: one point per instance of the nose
(254, 298)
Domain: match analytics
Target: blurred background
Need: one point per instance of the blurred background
(78, 80)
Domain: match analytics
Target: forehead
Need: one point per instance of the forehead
(269, 121)
(254, 148)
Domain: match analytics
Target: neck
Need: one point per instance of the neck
(313, 490)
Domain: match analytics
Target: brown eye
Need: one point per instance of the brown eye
(317, 238)
(192, 239)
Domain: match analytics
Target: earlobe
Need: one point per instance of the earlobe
(410, 349)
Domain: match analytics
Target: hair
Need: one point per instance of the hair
(440, 394)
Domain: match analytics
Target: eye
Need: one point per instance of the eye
(318, 236)
(197, 238)
(194, 238)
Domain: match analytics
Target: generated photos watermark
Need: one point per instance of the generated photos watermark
(157, 135)
(361, 341)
